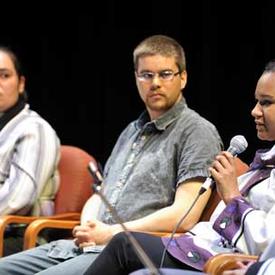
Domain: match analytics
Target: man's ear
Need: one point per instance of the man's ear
(183, 79)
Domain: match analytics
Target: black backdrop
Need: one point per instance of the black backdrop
(78, 62)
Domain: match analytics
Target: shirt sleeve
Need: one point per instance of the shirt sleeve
(246, 228)
(199, 148)
(32, 162)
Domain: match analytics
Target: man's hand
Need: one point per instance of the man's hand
(94, 232)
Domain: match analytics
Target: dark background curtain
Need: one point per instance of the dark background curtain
(78, 62)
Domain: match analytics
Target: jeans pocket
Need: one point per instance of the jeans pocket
(63, 249)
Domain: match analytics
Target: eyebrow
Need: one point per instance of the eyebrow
(163, 70)
(5, 70)
(264, 96)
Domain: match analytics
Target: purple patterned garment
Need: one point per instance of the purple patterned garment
(195, 250)
(230, 220)
(184, 249)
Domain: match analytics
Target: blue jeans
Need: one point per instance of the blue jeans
(59, 257)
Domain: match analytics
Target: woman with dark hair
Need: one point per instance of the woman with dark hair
(29, 148)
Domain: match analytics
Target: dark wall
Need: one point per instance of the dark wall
(78, 62)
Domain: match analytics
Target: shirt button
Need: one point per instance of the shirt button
(119, 184)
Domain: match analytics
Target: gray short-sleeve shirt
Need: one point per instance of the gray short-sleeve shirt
(151, 158)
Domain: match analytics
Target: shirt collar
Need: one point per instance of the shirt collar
(12, 112)
(164, 120)
(263, 157)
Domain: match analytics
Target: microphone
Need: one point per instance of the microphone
(95, 172)
(238, 144)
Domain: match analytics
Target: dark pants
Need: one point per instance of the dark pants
(120, 258)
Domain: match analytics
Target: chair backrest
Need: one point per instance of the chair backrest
(241, 168)
(75, 180)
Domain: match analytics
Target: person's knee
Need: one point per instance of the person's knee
(7, 265)
(6, 259)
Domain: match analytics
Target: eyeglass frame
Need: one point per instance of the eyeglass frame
(159, 74)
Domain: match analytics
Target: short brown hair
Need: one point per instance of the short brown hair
(160, 45)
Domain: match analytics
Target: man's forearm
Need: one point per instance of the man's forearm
(165, 219)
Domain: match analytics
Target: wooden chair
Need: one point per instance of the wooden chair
(35, 227)
(74, 190)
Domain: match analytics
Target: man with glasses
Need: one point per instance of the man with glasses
(153, 175)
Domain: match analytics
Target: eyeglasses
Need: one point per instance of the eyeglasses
(165, 75)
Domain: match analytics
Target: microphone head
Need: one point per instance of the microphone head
(237, 145)
(92, 167)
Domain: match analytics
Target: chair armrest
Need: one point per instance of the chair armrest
(36, 226)
(225, 261)
(10, 219)
(6, 220)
